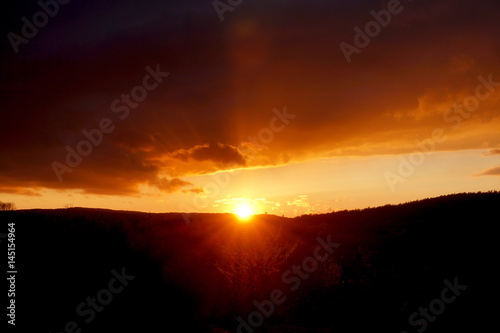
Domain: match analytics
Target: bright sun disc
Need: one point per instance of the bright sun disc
(244, 211)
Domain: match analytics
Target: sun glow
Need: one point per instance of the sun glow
(244, 211)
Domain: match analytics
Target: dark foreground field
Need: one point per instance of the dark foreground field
(421, 266)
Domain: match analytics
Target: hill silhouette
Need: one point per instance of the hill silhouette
(202, 276)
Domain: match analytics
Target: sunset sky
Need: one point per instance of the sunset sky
(261, 108)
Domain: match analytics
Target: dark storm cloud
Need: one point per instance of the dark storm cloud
(225, 79)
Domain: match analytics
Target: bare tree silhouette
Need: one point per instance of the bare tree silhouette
(7, 206)
(250, 261)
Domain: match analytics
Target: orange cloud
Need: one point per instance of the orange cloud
(490, 172)
(173, 185)
(493, 152)
(222, 154)
(21, 191)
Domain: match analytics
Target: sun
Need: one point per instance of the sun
(244, 211)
